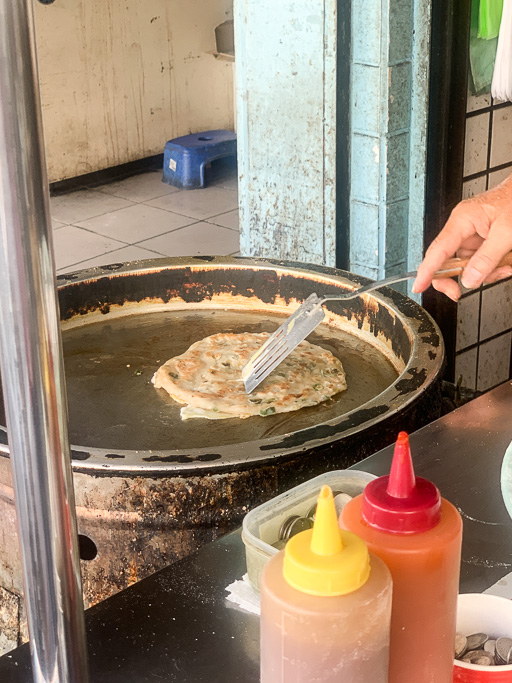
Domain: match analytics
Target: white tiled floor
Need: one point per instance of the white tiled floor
(141, 217)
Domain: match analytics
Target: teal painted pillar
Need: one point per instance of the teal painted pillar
(389, 105)
(286, 112)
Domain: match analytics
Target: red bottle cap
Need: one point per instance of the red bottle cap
(401, 503)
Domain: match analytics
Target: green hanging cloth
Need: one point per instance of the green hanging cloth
(489, 18)
(482, 54)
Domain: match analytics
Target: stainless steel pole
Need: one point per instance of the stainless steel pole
(32, 366)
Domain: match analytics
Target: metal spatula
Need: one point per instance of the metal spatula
(310, 314)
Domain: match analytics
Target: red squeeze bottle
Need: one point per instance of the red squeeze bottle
(404, 521)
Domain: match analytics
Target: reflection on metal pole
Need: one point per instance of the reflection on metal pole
(32, 367)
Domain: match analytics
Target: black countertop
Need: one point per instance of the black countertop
(177, 626)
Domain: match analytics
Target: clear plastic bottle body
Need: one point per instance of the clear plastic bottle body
(311, 639)
(425, 569)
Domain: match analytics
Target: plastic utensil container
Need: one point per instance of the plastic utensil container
(261, 526)
(482, 613)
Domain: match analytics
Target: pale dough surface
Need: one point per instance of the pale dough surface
(207, 378)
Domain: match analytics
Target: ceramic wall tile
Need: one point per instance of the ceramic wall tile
(399, 77)
(496, 315)
(494, 362)
(366, 26)
(476, 144)
(398, 269)
(366, 89)
(497, 177)
(362, 245)
(401, 20)
(501, 143)
(465, 368)
(396, 235)
(368, 271)
(472, 187)
(397, 167)
(484, 318)
(476, 102)
(365, 153)
(467, 321)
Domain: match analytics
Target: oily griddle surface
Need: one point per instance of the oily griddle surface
(113, 404)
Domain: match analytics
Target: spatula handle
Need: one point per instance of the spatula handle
(454, 266)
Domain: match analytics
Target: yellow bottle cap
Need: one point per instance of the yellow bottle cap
(325, 560)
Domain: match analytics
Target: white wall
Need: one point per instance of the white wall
(120, 77)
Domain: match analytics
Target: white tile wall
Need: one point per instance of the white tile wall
(476, 142)
(488, 362)
(472, 187)
(497, 177)
(496, 313)
(494, 362)
(465, 368)
(467, 321)
(475, 102)
(501, 144)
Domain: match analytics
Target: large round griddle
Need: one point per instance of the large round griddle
(120, 323)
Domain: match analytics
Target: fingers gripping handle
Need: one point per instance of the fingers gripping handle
(454, 266)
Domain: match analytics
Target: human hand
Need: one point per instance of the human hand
(479, 228)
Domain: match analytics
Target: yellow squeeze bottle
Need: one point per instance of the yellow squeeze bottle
(325, 607)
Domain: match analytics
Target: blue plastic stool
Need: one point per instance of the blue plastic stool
(185, 157)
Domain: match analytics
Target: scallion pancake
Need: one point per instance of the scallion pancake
(208, 378)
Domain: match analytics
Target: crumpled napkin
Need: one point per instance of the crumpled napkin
(242, 594)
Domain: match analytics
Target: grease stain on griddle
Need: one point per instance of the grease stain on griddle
(114, 456)
(203, 457)
(80, 298)
(406, 385)
(328, 431)
(80, 455)
(169, 458)
(432, 339)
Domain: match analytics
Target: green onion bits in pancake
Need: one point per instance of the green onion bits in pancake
(208, 378)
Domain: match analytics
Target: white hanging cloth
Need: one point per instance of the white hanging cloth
(501, 88)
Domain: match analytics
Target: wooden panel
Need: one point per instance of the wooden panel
(120, 77)
(286, 103)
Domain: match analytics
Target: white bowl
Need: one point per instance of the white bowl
(483, 613)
